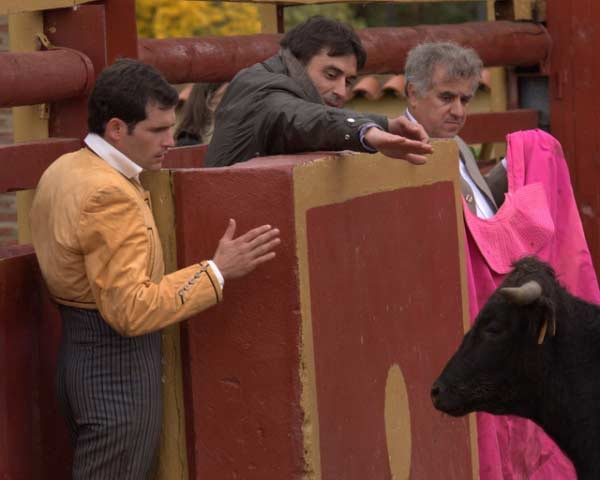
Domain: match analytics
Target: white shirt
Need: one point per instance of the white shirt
(127, 167)
(482, 206)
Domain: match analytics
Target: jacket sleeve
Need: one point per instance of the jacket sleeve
(293, 125)
(497, 180)
(118, 250)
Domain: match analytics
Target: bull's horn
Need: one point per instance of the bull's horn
(524, 295)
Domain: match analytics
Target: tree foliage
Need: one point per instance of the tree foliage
(184, 18)
(343, 12)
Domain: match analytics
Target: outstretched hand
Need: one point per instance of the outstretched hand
(235, 257)
(396, 146)
(405, 128)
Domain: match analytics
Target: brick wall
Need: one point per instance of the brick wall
(8, 215)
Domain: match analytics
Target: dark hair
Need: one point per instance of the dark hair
(317, 33)
(123, 91)
(196, 118)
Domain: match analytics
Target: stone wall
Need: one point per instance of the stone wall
(8, 215)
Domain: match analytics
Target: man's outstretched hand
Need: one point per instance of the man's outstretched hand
(236, 257)
(405, 128)
(398, 146)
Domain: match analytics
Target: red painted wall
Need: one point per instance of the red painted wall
(385, 289)
(17, 347)
(241, 358)
(33, 439)
(574, 104)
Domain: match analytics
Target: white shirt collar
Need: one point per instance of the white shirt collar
(482, 207)
(410, 116)
(115, 158)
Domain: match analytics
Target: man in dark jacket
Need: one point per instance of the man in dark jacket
(293, 101)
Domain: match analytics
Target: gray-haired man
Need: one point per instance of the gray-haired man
(441, 79)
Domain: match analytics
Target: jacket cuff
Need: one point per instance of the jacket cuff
(201, 270)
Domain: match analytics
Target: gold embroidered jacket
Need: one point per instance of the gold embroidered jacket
(98, 247)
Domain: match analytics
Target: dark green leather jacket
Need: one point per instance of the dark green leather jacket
(272, 108)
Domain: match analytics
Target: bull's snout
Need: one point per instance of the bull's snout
(436, 390)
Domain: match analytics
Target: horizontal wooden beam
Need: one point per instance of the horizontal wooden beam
(29, 78)
(494, 126)
(316, 2)
(8, 7)
(22, 164)
(217, 59)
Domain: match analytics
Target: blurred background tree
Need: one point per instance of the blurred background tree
(344, 12)
(182, 18)
(185, 18)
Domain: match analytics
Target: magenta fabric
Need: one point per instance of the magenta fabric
(539, 217)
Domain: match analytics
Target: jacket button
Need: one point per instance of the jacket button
(347, 137)
(469, 198)
(350, 120)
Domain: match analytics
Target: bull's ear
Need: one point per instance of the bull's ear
(526, 294)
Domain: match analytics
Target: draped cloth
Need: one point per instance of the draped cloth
(539, 217)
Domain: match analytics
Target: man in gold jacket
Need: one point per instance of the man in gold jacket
(100, 254)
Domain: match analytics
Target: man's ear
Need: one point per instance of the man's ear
(115, 130)
(410, 94)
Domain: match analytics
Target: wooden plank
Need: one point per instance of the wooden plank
(83, 30)
(29, 122)
(494, 126)
(574, 74)
(172, 461)
(314, 2)
(523, 9)
(186, 157)
(8, 7)
(121, 29)
(22, 164)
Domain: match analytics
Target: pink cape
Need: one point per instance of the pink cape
(539, 217)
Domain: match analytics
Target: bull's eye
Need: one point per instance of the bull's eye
(494, 329)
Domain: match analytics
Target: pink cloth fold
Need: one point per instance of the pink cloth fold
(539, 217)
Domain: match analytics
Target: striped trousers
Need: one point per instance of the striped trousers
(109, 391)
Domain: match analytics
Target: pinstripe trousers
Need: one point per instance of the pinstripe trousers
(109, 391)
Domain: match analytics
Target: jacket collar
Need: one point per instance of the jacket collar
(115, 158)
(297, 72)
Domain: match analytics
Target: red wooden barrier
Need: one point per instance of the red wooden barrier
(33, 439)
(382, 293)
(494, 126)
(214, 59)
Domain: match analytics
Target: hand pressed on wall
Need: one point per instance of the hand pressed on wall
(235, 257)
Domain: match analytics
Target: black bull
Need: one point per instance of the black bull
(533, 351)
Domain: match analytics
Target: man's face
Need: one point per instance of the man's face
(442, 110)
(150, 139)
(332, 76)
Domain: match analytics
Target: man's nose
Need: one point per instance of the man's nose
(458, 108)
(341, 89)
(169, 140)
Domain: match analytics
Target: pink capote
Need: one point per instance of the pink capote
(539, 217)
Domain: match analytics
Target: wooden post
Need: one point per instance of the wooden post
(173, 464)
(29, 122)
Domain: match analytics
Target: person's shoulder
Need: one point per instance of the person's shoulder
(263, 77)
(81, 173)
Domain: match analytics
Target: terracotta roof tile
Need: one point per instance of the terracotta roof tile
(368, 87)
(395, 85)
(486, 79)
